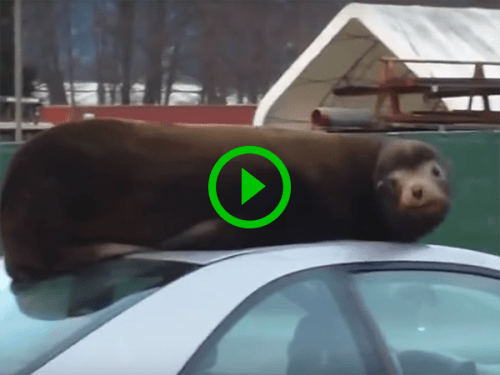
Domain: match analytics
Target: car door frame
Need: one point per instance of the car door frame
(421, 265)
(365, 331)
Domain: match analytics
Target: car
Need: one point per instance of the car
(339, 307)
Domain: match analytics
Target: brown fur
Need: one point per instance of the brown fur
(76, 192)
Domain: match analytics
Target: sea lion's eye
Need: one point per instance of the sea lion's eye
(392, 182)
(388, 183)
(436, 171)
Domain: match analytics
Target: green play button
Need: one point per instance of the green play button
(249, 186)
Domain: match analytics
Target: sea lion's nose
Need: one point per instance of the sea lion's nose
(417, 192)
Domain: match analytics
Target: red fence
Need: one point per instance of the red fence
(188, 114)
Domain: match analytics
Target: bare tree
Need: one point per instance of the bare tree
(7, 54)
(107, 39)
(114, 77)
(213, 17)
(125, 35)
(50, 69)
(247, 53)
(259, 48)
(173, 65)
(180, 19)
(69, 11)
(156, 44)
(99, 35)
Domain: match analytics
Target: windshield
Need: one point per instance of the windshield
(42, 319)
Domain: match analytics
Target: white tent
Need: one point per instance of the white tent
(349, 49)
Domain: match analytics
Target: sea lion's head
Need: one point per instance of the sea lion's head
(412, 187)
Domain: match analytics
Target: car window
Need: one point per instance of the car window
(448, 319)
(41, 319)
(297, 327)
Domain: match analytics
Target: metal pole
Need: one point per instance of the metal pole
(447, 62)
(18, 68)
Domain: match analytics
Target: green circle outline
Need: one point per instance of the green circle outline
(285, 196)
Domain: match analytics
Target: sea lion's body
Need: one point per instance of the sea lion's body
(79, 186)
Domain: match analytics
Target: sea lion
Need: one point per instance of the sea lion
(94, 189)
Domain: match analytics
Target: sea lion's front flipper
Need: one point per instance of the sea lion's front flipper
(215, 234)
(71, 257)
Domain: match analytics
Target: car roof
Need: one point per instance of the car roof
(341, 252)
(191, 256)
(337, 252)
(192, 306)
(347, 250)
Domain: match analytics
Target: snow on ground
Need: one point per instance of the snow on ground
(185, 92)
(86, 93)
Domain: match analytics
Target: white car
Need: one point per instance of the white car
(343, 307)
